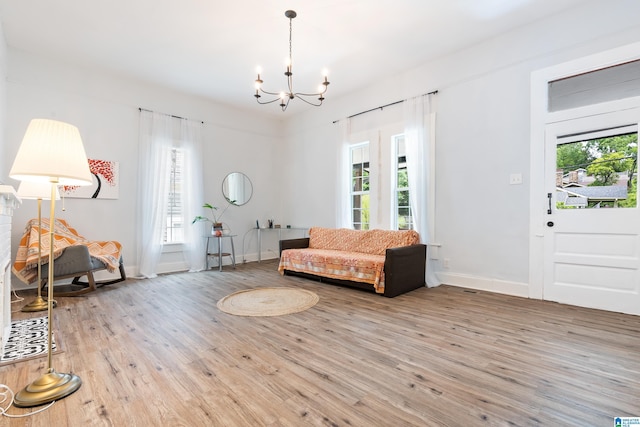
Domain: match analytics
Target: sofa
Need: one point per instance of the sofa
(387, 262)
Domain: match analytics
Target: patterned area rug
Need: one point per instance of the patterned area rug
(268, 301)
(28, 339)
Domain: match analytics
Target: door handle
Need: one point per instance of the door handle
(549, 195)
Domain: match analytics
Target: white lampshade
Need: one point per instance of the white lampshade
(52, 151)
(36, 190)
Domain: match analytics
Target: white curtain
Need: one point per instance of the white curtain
(155, 142)
(343, 178)
(193, 194)
(158, 136)
(420, 144)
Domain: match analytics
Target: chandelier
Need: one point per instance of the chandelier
(285, 97)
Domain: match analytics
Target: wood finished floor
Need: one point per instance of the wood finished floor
(159, 353)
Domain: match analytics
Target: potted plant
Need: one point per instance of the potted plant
(215, 220)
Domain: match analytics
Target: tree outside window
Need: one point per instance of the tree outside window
(609, 164)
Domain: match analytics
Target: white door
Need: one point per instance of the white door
(591, 250)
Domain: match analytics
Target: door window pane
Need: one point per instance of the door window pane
(598, 169)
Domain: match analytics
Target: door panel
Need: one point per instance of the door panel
(591, 252)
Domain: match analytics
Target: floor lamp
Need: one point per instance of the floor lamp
(39, 191)
(51, 151)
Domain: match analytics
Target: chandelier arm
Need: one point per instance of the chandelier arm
(309, 94)
(297, 95)
(270, 93)
(269, 102)
(284, 106)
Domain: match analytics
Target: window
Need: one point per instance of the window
(360, 201)
(174, 230)
(402, 211)
(606, 84)
(598, 169)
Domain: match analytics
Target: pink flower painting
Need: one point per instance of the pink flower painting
(105, 182)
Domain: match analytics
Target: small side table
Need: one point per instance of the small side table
(219, 254)
(304, 230)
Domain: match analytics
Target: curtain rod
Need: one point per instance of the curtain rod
(383, 106)
(170, 115)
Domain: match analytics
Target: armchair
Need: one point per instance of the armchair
(76, 262)
(74, 257)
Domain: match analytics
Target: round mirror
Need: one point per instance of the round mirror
(237, 188)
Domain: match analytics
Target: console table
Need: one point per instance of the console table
(279, 231)
(219, 254)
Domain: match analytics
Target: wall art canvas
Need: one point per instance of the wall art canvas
(105, 182)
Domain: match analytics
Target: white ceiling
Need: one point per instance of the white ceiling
(212, 47)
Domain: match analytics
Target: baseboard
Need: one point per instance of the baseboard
(253, 257)
(485, 284)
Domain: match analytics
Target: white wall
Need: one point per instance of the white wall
(105, 109)
(482, 131)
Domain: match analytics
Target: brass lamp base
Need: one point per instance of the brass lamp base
(49, 387)
(39, 304)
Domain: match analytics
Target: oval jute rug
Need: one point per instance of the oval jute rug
(268, 301)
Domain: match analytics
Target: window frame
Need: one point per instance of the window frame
(363, 194)
(174, 234)
(396, 140)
